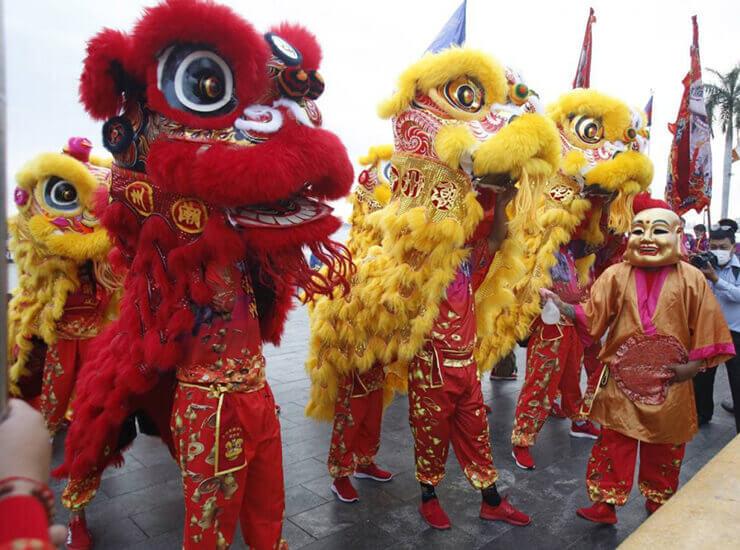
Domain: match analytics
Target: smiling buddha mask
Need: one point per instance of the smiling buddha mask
(655, 238)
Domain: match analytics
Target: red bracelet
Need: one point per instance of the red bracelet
(13, 486)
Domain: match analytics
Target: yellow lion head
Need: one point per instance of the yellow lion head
(54, 233)
(602, 141)
(54, 197)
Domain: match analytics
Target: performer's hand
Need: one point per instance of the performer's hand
(709, 272)
(505, 195)
(547, 294)
(25, 450)
(684, 372)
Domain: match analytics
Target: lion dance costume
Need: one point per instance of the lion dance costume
(412, 306)
(584, 211)
(66, 289)
(358, 411)
(220, 171)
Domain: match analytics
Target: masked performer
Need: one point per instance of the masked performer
(586, 207)
(66, 288)
(412, 305)
(662, 326)
(218, 181)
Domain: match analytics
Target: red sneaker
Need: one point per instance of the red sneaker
(504, 512)
(651, 506)
(585, 429)
(372, 471)
(599, 512)
(342, 487)
(522, 457)
(78, 535)
(556, 411)
(433, 514)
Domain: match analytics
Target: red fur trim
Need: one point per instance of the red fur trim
(103, 79)
(303, 40)
(280, 254)
(231, 175)
(199, 22)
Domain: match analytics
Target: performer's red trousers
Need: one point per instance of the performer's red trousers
(63, 360)
(591, 362)
(249, 484)
(355, 437)
(611, 468)
(446, 406)
(554, 357)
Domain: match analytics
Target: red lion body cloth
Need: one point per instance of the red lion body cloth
(220, 171)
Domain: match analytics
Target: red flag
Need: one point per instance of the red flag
(689, 184)
(583, 72)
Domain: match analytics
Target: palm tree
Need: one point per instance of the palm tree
(723, 99)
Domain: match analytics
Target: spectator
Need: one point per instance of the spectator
(729, 224)
(26, 503)
(725, 282)
(689, 242)
(701, 243)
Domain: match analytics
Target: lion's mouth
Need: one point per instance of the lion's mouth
(284, 213)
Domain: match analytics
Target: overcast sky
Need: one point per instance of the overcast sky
(638, 46)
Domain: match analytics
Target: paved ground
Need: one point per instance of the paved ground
(139, 505)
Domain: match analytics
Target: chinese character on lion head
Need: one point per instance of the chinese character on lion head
(219, 161)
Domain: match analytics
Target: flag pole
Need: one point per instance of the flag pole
(3, 232)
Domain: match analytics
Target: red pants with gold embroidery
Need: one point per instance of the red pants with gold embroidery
(63, 360)
(248, 458)
(355, 438)
(553, 364)
(611, 468)
(591, 362)
(446, 406)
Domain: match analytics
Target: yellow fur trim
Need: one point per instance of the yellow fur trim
(614, 114)
(434, 70)
(382, 194)
(452, 142)
(537, 255)
(376, 153)
(77, 246)
(583, 267)
(530, 143)
(103, 162)
(573, 162)
(60, 165)
(628, 173)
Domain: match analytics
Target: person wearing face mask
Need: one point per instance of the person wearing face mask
(662, 326)
(725, 282)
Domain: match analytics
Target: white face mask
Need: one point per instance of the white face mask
(723, 256)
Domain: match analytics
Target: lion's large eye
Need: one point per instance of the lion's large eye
(465, 94)
(60, 194)
(589, 130)
(196, 79)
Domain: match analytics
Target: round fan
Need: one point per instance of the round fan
(640, 369)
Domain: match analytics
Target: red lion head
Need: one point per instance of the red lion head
(204, 110)
(219, 160)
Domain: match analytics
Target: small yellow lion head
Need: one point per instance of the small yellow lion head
(54, 196)
(602, 142)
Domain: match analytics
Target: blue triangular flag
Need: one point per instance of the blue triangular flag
(453, 33)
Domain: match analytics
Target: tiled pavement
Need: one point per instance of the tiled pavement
(139, 505)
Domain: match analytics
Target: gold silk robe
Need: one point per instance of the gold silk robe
(680, 303)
